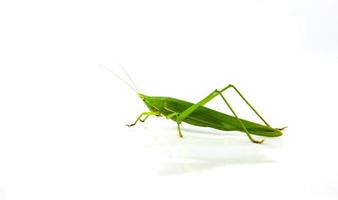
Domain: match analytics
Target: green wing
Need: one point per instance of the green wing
(207, 117)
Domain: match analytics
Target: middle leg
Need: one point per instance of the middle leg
(171, 116)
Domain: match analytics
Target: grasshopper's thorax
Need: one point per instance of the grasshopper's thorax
(153, 103)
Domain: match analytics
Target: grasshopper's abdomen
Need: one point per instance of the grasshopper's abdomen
(206, 117)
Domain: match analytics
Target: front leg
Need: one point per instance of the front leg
(147, 114)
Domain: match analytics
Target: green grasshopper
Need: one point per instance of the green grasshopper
(198, 115)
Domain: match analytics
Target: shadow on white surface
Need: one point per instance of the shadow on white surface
(206, 149)
(2, 194)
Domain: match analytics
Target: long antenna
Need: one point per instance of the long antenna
(121, 79)
(128, 76)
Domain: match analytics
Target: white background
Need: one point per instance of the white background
(62, 115)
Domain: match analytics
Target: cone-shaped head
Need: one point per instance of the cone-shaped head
(155, 104)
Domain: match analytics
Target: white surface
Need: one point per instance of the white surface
(62, 116)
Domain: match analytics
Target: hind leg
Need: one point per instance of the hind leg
(207, 99)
